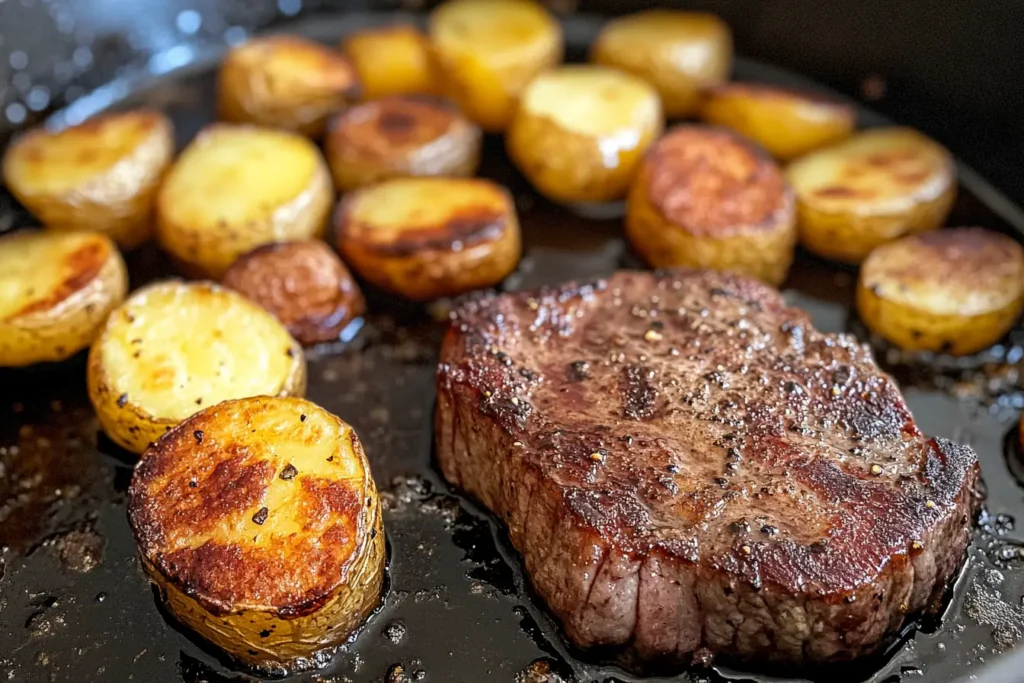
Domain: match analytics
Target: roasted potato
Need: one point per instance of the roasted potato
(952, 291)
(788, 123)
(56, 290)
(487, 51)
(258, 521)
(100, 176)
(392, 60)
(399, 136)
(680, 53)
(579, 131)
(237, 187)
(876, 186)
(303, 284)
(175, 347)
(285, 82)
(707, 198)
(427, 238)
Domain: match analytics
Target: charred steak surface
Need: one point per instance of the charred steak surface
(684, 462)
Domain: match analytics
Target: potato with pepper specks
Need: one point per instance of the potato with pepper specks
(404, 135)
(871, 189)
(954, 291)
(285, 82)
(56, 290)
(176, 347)
(100, 176)
(427, 238)
(259, 522)
(392, 60)
(580, 131)
(707, 198)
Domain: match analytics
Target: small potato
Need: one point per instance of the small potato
(174, 347)
(707, 198)
(487, 51)
(56, 290)
(303, 284)
(952, 291)
(404, 135)
(100, 176)
(427, 238)
(788, 123)
(237, 187)
(580, 131)
(285, 82)
(680, 53)
(392, 60)
(876, 186)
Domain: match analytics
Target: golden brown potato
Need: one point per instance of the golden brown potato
(876, 186)
(100, 176)
(392, 60)
(680, 53)
(237, 187)
(487, 51)
(953, 291)
(56, 290)
(285, 82)
(260, 524)
(580, 131)
(404, 135)
(788, 123)
(707, 198)
(303, 284)
(427, 238)
(175, 347)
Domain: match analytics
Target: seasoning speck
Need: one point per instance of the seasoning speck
(122, 400)
(597, 456)
(289, 472)
(302, 418)
(653, 335)
(746, 549)
(876, 469)
(198, 434)
(261, 515)
(517, 444)
(929, 504)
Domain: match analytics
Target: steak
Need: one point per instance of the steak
(686, 465)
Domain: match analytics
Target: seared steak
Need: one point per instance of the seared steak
(684, 462)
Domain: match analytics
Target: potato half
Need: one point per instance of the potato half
(237, 187)
(707, 198)
(56, 290)
(285, 82)
(100, 176)
(788, 123)
(580, 130)
(426, 238)
(403, 135)
(953, 291)
(876, 186)
(259, 523)
(680, 53)
(392, 60)
(303, 284)
(487, 51)
(174, 348)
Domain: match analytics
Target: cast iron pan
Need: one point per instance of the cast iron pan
(74, 604)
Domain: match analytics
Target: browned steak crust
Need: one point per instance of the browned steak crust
(683, 462)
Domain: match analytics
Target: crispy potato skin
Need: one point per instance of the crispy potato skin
(954, 291)
(259, 522)
(581, 153)
(174, 347)
(303, 284)
(469, 239)
(56, 290)
(100, 176)
(487, 51)
(706, 198)
(648, 44)
(400, 136)
(235, 188)
(285, 82)
(873, 188)
(392, 60)
(787, 123)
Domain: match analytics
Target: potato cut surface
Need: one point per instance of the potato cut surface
(495, 29)
(392, 60)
